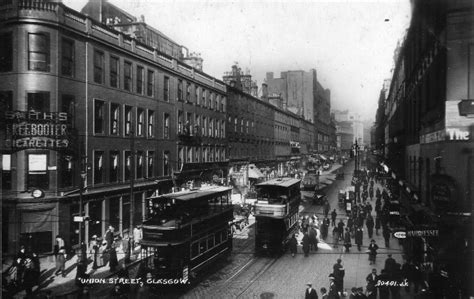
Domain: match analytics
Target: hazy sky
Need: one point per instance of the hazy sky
(349, 43)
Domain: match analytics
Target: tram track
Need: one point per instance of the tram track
(257, 275)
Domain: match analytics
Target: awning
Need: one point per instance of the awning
(255, 173)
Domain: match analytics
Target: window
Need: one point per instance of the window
(204, 126)
(211, 101)
(37, 171)
(235, 124)
(114, 118)
(67, 58)
(128, 165)
(98, 167)
(223, 129)
(211, 127)
(140, 122)
(150, 85)
(198, 99)
(180, 157)
(190, 155)
(150, 164)
(196, 154)
(6, 171)
(166, 126)
(242, 125)
(98, 67)
(38, 52)
(99, 119)
(166, 89)
(6, 52)
(125, 212)
(223, 104)
(128, 120)
(140, 164)
(68, 105)
(203, 97)
(140, 79)
(216, 128)
(38, 101)
(188, 92)
(180, 90)
(114, 169)
(180, 122)
(166, 162)
(218, 100)
(127, 76)
(114, 71)
(151, 123)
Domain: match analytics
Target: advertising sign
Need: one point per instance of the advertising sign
(38, 130)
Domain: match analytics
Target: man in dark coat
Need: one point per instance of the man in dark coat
(333, 217)
(370, 225)
(313, 241)
(310, 292)
(305, 242)
(383, 288)
(347, 240)
(338, 273)
(333, 289)
(326, 208)
(389, 265)
(358, 237)
(324, 229)
(109, 236)
(293, 245)
(371, 289)
(340, 226)
(386, 236)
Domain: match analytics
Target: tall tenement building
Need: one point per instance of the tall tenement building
(100, 101)
(428, 138)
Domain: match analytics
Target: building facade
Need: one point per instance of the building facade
(428, 138)
(88, 106)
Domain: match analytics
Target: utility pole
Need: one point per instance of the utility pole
(83, 176)
(132, 180)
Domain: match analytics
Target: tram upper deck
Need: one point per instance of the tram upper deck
(277, 197)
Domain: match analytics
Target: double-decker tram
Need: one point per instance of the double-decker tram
(276, 214)
(186, 232)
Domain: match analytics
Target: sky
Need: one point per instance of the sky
(349, 43)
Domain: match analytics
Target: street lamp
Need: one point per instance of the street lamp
(356, 154)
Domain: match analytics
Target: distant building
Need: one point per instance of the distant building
(240, 80)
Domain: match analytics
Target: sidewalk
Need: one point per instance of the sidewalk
(61, 286)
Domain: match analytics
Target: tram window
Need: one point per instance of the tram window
(210, 242)
(224, 236)
(202, 246)
(194, 249)
(218, 237)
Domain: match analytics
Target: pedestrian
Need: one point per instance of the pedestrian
(81, 270)
(109, 236)
(377, 225)
(371, 289)
(333, 289)
(372, 251)
(93, 250)
(29, 276)
(310, 293)
(347, 240)
(305, 243)
(358, 237)
(59, 244)
(137, 235)
(340, 226)
(324, 293)
(339, 272)
(333, 217)
(101, 255)
(383, 288)
(324, 229)
(113, 261)
(327, 207)
(370, 225)
(390, 264)
(61, 262)
(335, 236)
(353, 294)
(360, 293)
(386, 236)
(313, 241)
(293, 245)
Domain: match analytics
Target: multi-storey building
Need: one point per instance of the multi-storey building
(86, 105)
(428, 138)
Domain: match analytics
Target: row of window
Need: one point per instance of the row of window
(196, 154)
(143, 122)
(207, 243)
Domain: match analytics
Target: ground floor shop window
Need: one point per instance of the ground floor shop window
(114, 212)
(95, 218)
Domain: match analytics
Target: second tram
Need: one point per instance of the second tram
(276, 214)
(186, 232)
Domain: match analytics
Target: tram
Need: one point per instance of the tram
(186, 232)
(276, 214)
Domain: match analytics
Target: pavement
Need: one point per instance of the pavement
(60, 286)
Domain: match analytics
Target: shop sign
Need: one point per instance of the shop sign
(457, 134)
(37, 130)
(441, 193)
(400, 234)
(423, 233)
(433, 137)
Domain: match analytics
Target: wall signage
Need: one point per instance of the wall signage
(448, 134)
(423, 233)
(38, 130)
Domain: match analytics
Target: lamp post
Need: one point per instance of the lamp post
(81, 189)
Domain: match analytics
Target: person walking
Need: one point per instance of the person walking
(386, 236)
(310, 293)
(59, 244)
(324, 293)
(358, 237)
(324, 228)
(371, 289)
(377, 224)
(306, 242)
(109, 236)
(339, 273)
(101, 253)
(370, 225)
(372, 251)
(335, 236)
(333, 289)
(113, 261)
(340, 226)
(313, 241)
(347, 240)
(137, 235)
(327, 207)
(390, 265)
(61, 262)
(333, 217)
(293, 245)
(93, 250)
